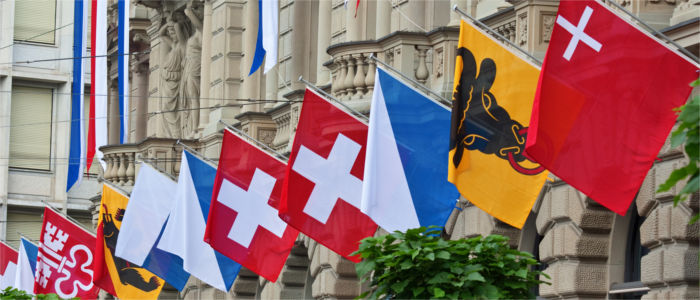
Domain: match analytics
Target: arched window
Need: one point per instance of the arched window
(627, 284)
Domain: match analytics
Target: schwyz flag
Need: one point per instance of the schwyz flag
(8, 265)
(405, 180)
(113, 274)
(604, 104)
(322, 189)
(26, 266)
(64, 261)
(183, 234)
(491, 107)
(243, 219)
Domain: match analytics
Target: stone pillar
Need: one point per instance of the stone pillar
(206, 66)
(354, 25)
(140, 101)
(383, 18)
(301, 63)
(323, 76)
(113, 114)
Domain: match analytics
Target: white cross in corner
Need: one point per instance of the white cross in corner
(578, 34)
(252, 208)
(331, 176)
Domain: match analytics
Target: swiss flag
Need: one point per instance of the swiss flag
(64, 261)
(8, 265)
(603, 107)
(323, 187)
(243, 219)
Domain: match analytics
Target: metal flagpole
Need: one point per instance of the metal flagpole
(656, 32)
(311, 85)
(27, 238)
(416, 83)
(261, 144)
(498, 35)
(196, 153)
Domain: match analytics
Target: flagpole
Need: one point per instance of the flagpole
(481, 24)
(357, 113)
(65, 214)
(27, 238)
(238, 131)
(416, 83)
(195, 152)
(656, 32)
(115, 187)
(152, 164)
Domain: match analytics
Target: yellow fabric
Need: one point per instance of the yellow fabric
(112, 201)
(487, 181)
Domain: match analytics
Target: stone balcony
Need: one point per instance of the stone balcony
(123, 160)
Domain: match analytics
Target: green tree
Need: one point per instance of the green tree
(687, 133)
(10, 293)
(421, 264)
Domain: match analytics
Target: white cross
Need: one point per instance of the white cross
(578, 34)
(252, 208)
(331, 176)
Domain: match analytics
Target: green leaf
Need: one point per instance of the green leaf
(417, 291)
(443, 254)
(475, 276)
(430, 256)
(692, 186)
(438, 292)
(442, 277)
(363, 267)
(398, 287)
(522, 273)
(676, 175)
(491, 292)
(406, 264)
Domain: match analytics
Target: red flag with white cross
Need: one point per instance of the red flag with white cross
(64, 260)
(323, 187)
(604, 104)
(243, 219)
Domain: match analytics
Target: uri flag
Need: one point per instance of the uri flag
(113, 274)
(405, 180)
(604, 104)
(322, 188)
(184, 233)
(26, 266)
(268, 35)
(8, 265)
(243, 221)
(64, 261)
(145, 217)
(76, 156)
(491, 108)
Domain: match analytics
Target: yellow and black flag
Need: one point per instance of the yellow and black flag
(491, 104)
(113, 274)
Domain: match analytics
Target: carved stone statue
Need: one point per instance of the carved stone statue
(173, 37)
(189, 88)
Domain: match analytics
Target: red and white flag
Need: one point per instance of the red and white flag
(8, 265)
(97, 124)
(243, 219)
(64, 261)
(603, 107)
(323, 186)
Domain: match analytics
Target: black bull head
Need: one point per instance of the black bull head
(479, 123)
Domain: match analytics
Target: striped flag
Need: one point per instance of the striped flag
(97, 125)
(268, 34)
(76, 163)
(123, 70)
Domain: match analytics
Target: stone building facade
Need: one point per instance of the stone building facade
(191, 78)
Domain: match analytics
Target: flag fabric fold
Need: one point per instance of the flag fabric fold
(147, 212)
(604, 104)
(77, 152)
(183, 235)
(97, 123)
(113, 274)
(322, 190)
(491, 106)
(26, 266)
(268, 36)
(405, 177)
(8, 265)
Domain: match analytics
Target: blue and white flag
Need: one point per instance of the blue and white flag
(405, 180)
(268, 35)
(77, 152)
(123, 69)
(184, 233)
(26, 266)
(147, 212)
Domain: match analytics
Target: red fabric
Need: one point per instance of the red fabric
(91, 121)
(600, 118)
(267, 252)
(102, 278)
(320, 123)
(64, 261)
(7, 255)
(357, 6)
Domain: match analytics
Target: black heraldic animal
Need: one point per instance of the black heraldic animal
(479, 123)
(128, 275)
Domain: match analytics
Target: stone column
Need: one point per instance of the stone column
(140, 101)
(113, 114)
(206, 66)
(323, 76)
(383, 18)
(353, 25)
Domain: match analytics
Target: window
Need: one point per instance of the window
(30, 128)
(35, 21)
